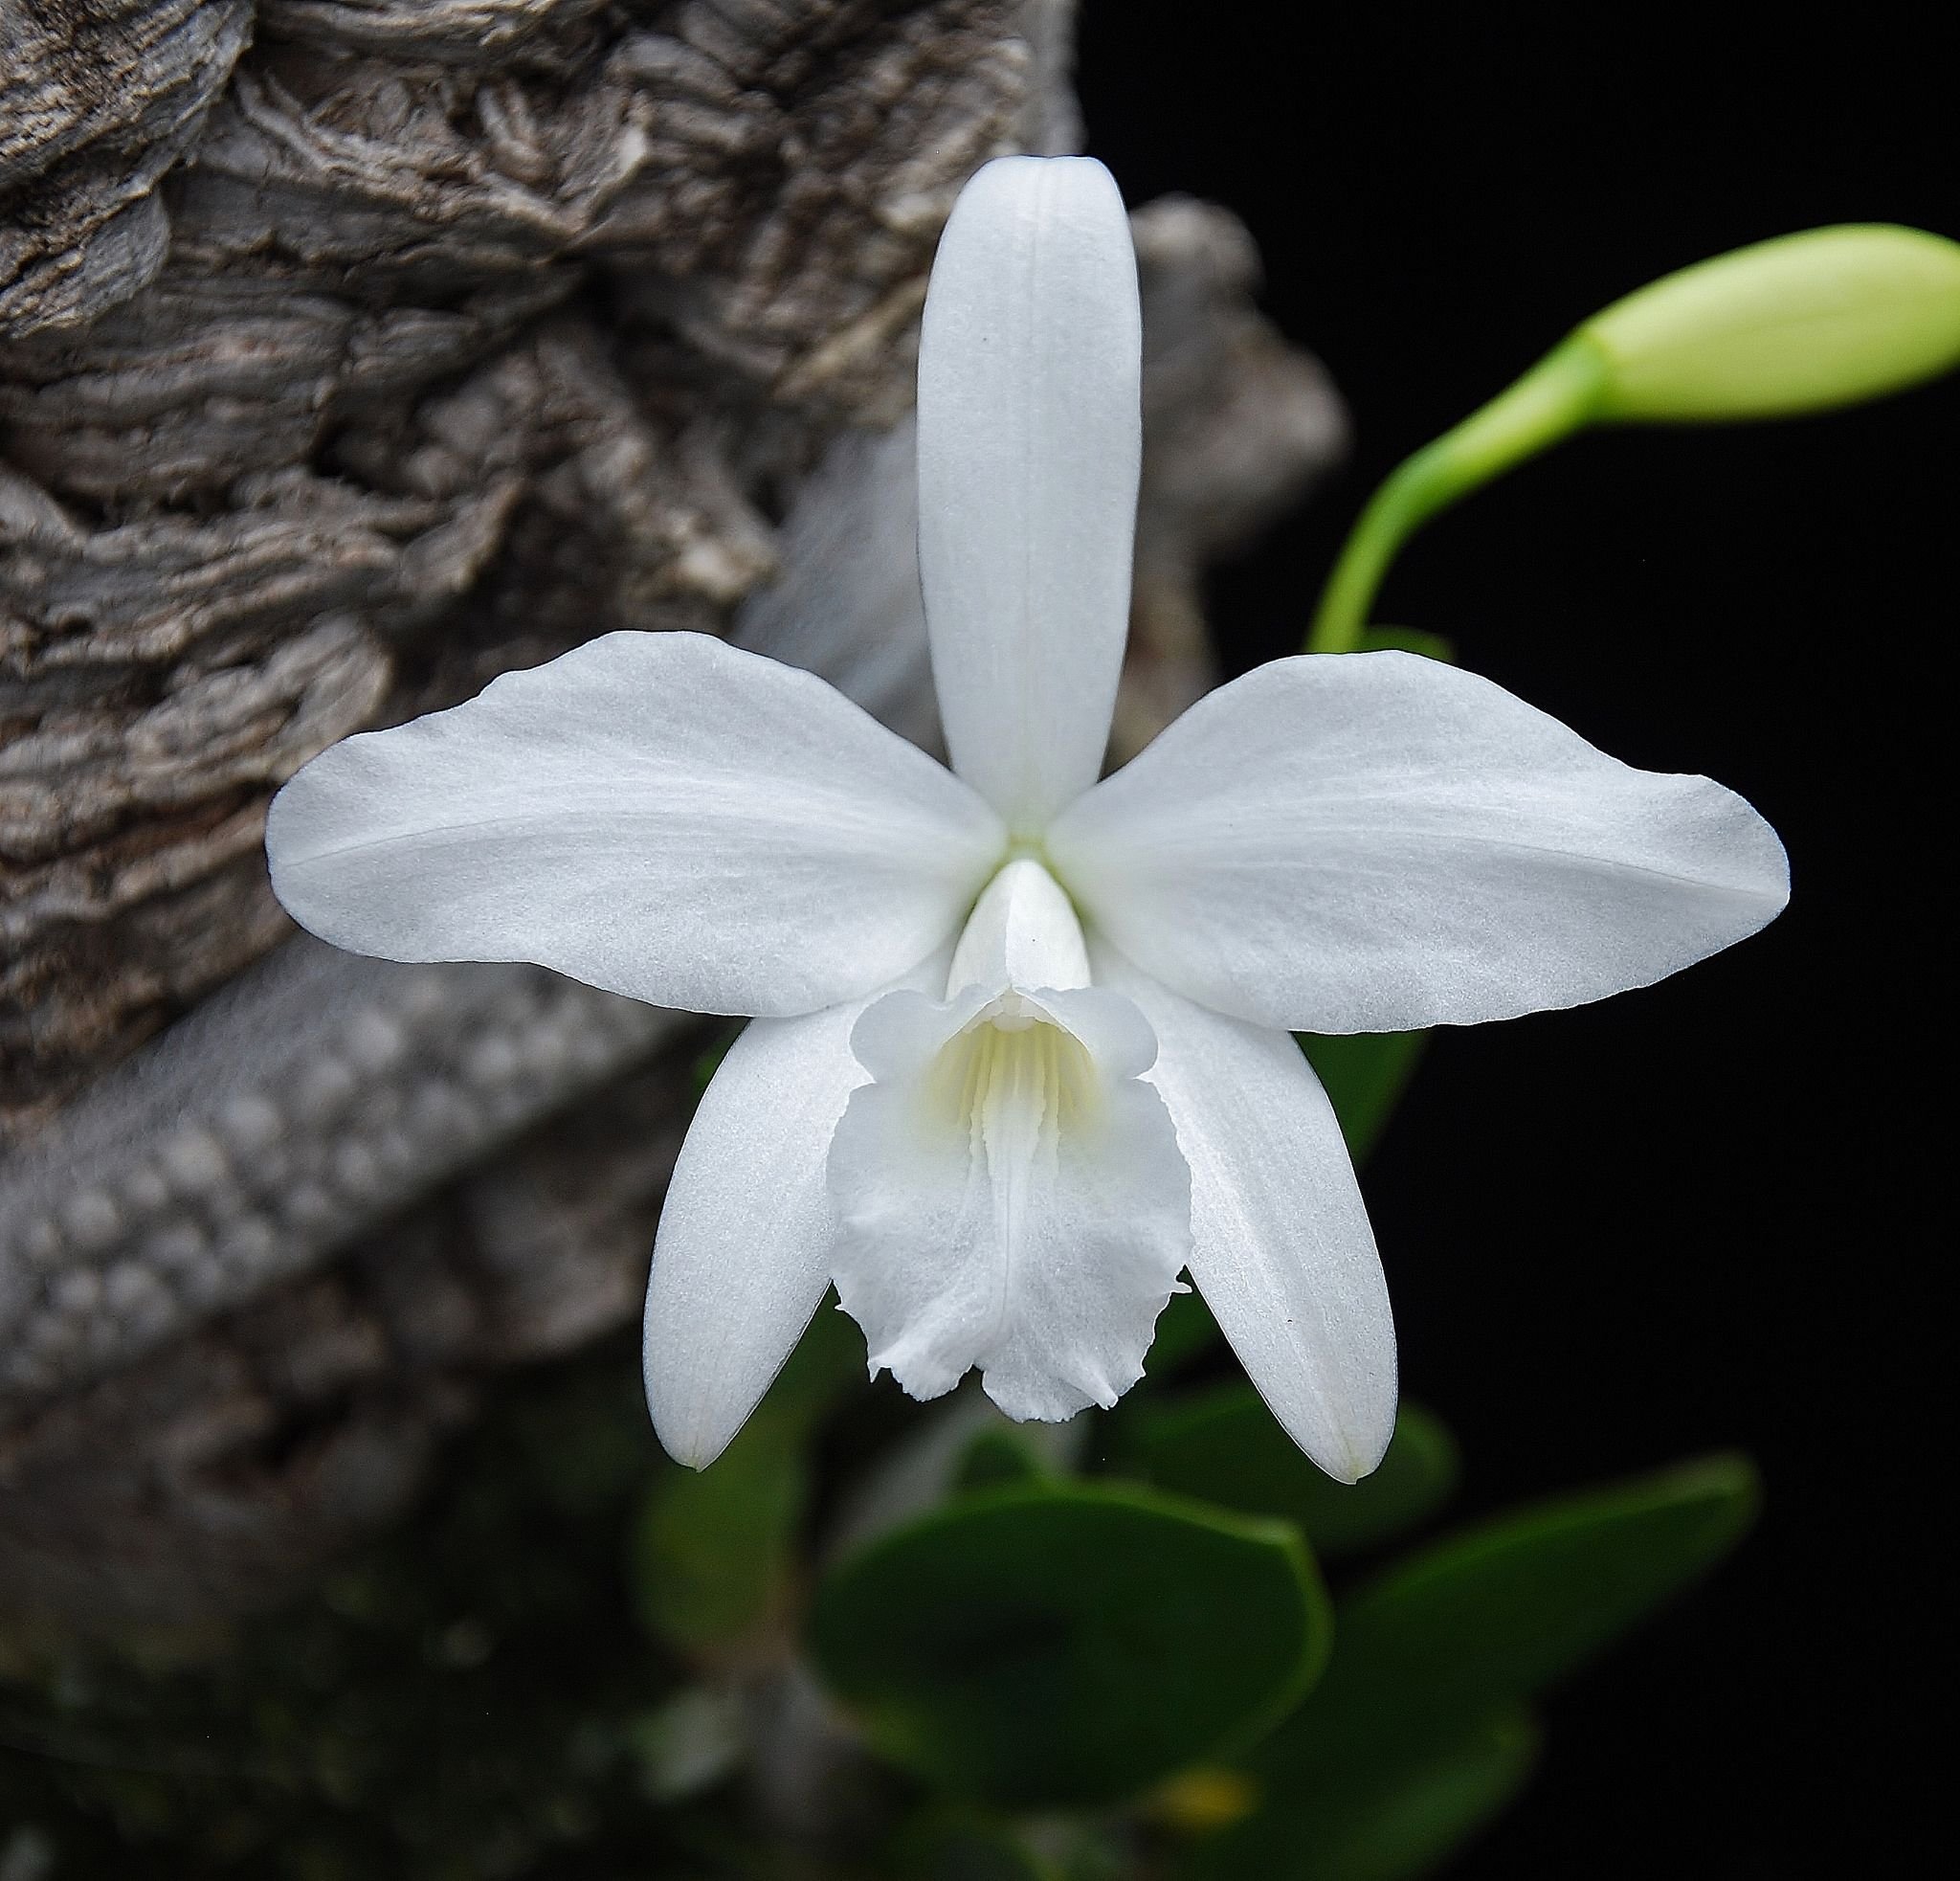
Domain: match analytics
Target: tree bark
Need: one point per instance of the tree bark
(353, 351)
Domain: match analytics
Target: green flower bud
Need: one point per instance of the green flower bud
(1802, 323)
(1828, 317)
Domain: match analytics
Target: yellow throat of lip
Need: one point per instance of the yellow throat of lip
(1012, 1073)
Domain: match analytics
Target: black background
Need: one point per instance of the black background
(1687, 1218)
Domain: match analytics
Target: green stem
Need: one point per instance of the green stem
(1552, 400)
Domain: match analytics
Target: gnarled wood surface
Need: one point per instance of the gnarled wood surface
(353, 351)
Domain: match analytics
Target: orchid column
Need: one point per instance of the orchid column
(1021, 1050)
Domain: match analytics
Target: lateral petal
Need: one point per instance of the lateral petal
(658, 815)
(742, 1258)
(1368, 842)
(1030, 437)
(1281, 1245)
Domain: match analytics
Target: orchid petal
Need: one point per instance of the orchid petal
(1280, 1247)
(655, 814)
(1009, 1191)
(1375, 841)
(742, 1258)
(1030, 436)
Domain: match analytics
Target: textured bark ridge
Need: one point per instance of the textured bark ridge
(353, 351)
(417, 342)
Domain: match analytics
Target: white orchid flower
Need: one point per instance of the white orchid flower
(1020, 1050)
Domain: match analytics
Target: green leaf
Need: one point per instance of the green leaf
(1403, 1824)
(702, 1073)
(1224, 1447)
(959, 1846)
(1185, 1329)
(828, 1359)
(996, 1457)
(1489, 1616)
(695, 1740)
(1364, 1073)
(1059, 1646)
(1413, 1737)
(713, 1550)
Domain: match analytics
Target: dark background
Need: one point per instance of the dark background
(1685, 1218)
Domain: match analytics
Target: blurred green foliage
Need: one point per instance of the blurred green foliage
(458, 1701)
(1049, 1645)
(1403, 1817)
(714, 1551)
(1499, 1611)
(999, 1456)
(581, 1661)
(1432, 1657)
(1224, 1445)
(964, 1847)
(1363, 1074)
